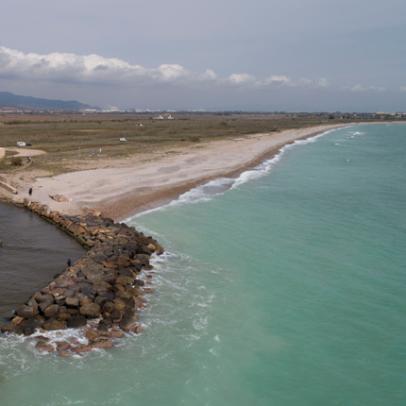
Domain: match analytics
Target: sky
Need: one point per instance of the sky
(258, 55)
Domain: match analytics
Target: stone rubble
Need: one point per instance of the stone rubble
(101, 292)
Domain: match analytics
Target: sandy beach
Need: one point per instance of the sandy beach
(126, 187)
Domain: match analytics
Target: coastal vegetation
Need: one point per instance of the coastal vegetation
(84, 141)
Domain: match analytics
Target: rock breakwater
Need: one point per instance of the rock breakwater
(102, 292)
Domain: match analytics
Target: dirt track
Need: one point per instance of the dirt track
(25, 152)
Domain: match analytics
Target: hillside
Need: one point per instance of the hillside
(11, 100)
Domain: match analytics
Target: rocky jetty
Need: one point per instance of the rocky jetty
(101, 292)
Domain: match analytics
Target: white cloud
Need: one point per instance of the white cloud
(361, 88)
(68, 67)
(323, 82)
(241, 78)
(64, 66)
(283, 80)
(277, 80)
(209, 74)
(316, 83)
(172, 72)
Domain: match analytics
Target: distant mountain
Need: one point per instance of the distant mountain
(34, 103)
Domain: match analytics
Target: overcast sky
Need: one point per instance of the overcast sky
(304, 55)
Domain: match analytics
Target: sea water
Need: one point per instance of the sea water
(286, 289)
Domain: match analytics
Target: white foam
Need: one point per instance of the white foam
(198, 194)
(266, 166)
(213, 352)
(204, 192)
(355, 134)
(15, 345)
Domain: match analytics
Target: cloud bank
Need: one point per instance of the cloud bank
(103, 81)
(68, 67)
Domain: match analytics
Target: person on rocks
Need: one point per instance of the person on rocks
(69, 262)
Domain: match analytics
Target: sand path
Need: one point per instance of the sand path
(21, 152)
(25, 152)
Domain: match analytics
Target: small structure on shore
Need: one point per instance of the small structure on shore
(164, 117)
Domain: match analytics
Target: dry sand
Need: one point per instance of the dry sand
(120, 191)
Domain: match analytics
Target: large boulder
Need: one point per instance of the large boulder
(54, 324)
(76, 321)
(51, 311)
(124, 280)
(40, 297)
(44, 346)
(28, 326)
(27, 311)
(103, 344)
(119, 304)
(46, 303)
(72, 301)
(90, 310)
(63, 313)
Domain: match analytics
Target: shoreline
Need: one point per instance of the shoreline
(131, 205)
(121, 191)
(173, 194)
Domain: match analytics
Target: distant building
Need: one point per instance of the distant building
(164, 117)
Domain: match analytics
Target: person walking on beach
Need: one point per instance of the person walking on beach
(30, 191)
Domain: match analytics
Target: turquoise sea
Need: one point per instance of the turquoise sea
(286, 289)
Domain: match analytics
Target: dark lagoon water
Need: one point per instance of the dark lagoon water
(32, 251)
(287, 290)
